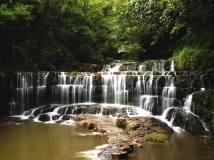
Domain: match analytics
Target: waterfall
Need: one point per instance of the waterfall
(27, 92)
(168, 93)
(142, 67)
(172, 67)
(114, 88)
(61, 90)
(158, 66)
(149, 102)
(24, 90)
(87, 88)
(150, 91)
(73, 89)
(188, 102)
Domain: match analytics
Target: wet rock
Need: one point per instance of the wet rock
(77, 110)
(194, 125)
(44, 117)
(69, 110)
(13, 120)
(186, 120)
(93, 110)
(121, 122)
(27, 113)
(105, 111)
(128, 148)
(9, 120)
(62, 110)
(86, 125)
(107, 153)
(119, 155)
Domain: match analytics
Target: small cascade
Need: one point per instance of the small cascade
(27, 91)
(158, 66)
(73, 89)
(152, 66)
(205, 82)
(168, 93)
(61, 91)
(188, 103)
(41, 88)
(142, 68)
(149, 103)
(140, 87)
(24, 91)
(77, 90)
(106, 68)
(114, 88)
(172, 66)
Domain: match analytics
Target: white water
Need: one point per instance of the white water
(172, 66)
(146, 95)
(114, 88)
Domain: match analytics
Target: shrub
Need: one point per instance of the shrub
(193, 58)
(159, 138)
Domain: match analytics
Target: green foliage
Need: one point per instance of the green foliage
(126, 129)
(193, 58)
(154, 72)
(159, 138)
(2, 74)
(53, 33)
(212, 121)
(204, 105)
(74, 72)
(15, 12)
(131, 103)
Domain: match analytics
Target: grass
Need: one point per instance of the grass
(159, 138)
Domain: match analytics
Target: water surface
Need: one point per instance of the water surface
(183, 146)
(39, 141)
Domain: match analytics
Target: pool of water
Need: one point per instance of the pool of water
(183, 146)
(39, 141)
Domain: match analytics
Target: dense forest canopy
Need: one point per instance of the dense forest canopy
(49, 34)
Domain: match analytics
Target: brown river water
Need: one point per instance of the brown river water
(39, 141)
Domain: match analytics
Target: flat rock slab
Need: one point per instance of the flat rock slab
(124, 133)
(12, 120)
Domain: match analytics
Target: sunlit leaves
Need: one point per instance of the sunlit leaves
(18, 10)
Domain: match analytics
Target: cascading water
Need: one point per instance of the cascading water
(73, 89)
(169, 93)
(110, 92)
(30, 90)
(26, 93)
(114, 88)
(172, 66)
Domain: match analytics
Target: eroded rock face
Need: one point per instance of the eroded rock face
(204, 107)
(185, 120)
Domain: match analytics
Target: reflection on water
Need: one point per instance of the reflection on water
(38, 141)
(184, 146)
